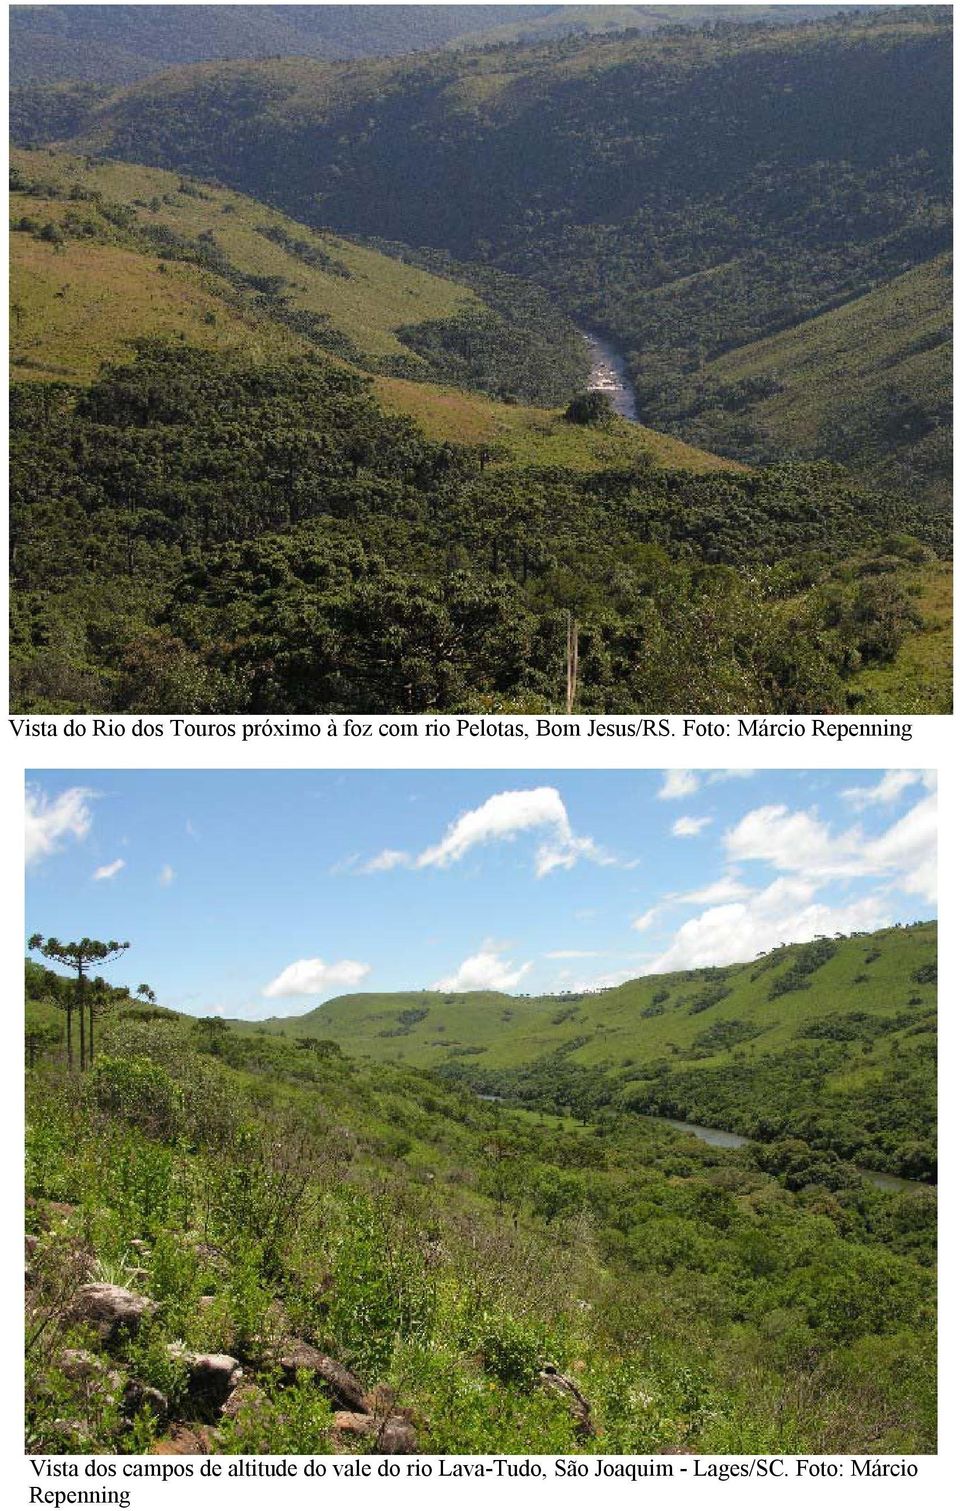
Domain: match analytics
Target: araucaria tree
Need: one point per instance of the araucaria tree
(78, 956)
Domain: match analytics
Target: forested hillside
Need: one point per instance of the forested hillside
(617, 173)
(119, 43)
(891, 351)
(244, 1244)
(831, 1042)
(261, 466)
(199, 531)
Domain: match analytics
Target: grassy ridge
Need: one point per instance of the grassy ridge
(526, 436)
(891, 350)
(377, 297)
(514, 1030)
(831, 1041)
(79, 304)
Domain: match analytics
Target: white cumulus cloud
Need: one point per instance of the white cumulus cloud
(785, 912)
(166, 876)
(790, 841)
(107, 873)
(387, 860)
(908, 850)
(503, 817)
(50, 822)
(679, 784)
(486, 971)
(646, 919)
(890, 786)
(688, 827)
(803, 844)
(304, 978)
(728, 889)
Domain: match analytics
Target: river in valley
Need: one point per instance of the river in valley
(608, 374)
(723, 1140)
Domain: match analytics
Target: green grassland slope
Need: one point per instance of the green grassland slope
(96, 249)
(814, 1040)
(691, 193)
(890, 352)
(463, 1277)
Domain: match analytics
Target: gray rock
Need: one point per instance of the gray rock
(342, 1386)
(137, 1395)
(80, 1364)
(111, 1309)
(397, 1436)
(211, 1377)
(242, 1397)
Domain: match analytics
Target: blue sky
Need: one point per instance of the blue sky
(265, 892)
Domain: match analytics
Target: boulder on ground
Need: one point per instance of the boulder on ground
(396, 1435)
(210, 1377)
(138, 1396)
(354, 1424)
(111, 1309)
(79, 1365)
(243, 1396)
(342, 1386)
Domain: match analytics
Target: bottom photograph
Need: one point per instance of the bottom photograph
(463, 1113)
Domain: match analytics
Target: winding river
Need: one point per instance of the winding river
(608, 373)
(720, 1139)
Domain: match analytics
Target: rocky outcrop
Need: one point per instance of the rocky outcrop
(577, 1403)
(396, 1435)
(112, 1310)
(361, 1413)
(343, 1387)
(211, 1378)
(243, 1397)
(351, 1424)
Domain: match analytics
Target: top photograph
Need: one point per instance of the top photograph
(494, 359)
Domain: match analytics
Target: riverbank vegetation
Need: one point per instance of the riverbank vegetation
(244, 1243)
(832, 1042)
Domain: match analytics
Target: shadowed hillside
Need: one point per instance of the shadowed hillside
(614, 173)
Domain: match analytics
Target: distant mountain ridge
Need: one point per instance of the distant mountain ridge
(616, 174)
(118, 44)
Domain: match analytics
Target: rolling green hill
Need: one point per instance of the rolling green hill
(831, 1041)
(107, 253)
(891, 351)
(615, 173)
(336, 1226)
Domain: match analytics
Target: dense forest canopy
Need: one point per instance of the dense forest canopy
(119, 43)
(200, 531)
